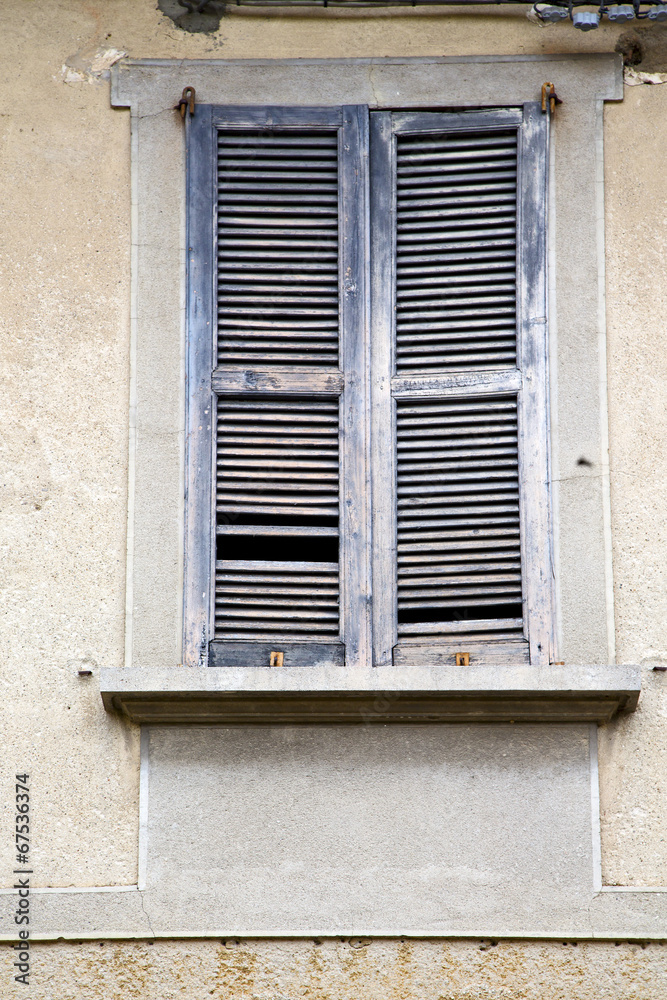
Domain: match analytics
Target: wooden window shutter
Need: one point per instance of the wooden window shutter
(459, 362)
(277, 544)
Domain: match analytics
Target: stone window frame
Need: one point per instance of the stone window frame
(580, 491)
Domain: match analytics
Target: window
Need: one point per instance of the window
(367, 376)
(152, 686)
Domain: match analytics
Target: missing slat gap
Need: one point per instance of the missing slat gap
(277, 519)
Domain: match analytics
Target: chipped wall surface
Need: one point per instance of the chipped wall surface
(345, 970)
(65, 315)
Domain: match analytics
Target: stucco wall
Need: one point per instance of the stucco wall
(347, 970)
(65, 340)
(634, 817)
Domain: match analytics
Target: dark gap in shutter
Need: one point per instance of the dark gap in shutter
(277, 519)
(456, 251)
(278, 247)
(459, 549)
(251, 547)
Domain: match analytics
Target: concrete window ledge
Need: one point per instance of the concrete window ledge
(251, 695)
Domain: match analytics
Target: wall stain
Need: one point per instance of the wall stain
(205, 22)
(386, 969)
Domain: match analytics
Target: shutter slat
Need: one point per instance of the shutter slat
(319, 570)
(280, 203)
(254, 146)
(474, 211)
(483, 536)
(239, 491)
(279, 226)
(239, 446)
(277, 477)
(441, 566)
(460, 229)
(326, 595)
(433, 629)
(262, 357)
(459, 551)
(406, 537)
(278, 247)
(295, 469)
(427, 581)
(325, 510)
(425, 279)
(472, 147)
(417, 534)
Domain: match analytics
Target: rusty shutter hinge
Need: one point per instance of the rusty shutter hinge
(549, 98)
(187, 101)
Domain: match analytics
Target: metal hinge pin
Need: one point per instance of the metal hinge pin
(187, 101)
(549, 98)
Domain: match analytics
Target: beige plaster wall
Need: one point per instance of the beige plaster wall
(64, 161)
(633, 783)
(343, 970)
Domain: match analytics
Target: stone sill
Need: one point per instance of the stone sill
(262, 695)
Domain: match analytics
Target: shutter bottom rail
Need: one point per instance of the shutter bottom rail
(258, 654)
(440, 654)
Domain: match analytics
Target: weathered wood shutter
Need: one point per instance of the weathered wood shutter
(271, 338)
(461, 551)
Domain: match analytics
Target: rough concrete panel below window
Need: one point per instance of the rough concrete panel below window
(378, 830)
(343, 970)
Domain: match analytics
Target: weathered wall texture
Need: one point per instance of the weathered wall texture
(64, 160)
(65, 327)
(634, 817)
(345, 970)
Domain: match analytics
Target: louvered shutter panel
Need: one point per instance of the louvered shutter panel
(460, 387)
(286, 317)
(278, 247)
